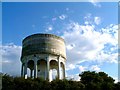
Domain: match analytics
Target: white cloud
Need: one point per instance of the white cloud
(63, 17)
(11, 59)
(97, 20)
(74, 77)
(116, 79)
(90, 19)
(85, 43)
(82, 68)
(95, 68)
(54, 19)
(86, 22)
(49, 28)
(89, 67)
(95, 3)
(69, 47)
(70, 67)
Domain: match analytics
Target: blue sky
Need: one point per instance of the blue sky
(19, 17)
(89, 29)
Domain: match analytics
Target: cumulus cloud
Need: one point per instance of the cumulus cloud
(85, 43)
(97, 20)
(63, 17)
(70, 67)
(95, 68)
(82, 68)
(49, 28)
(90, 19)
(74, 77)
(11, 59)
(91, 68)
(116, 79)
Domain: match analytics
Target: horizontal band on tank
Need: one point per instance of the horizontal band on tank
(42, 52)
(44, 41)
(41, 44)
(42, 35)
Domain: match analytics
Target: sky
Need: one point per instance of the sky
(60, 0)
(90, 31)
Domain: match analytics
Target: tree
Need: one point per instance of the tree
(89, 81)
(76, 85)
(117, 86)
(97, 81)
(7, 82)
(59, 84)
(107, 82)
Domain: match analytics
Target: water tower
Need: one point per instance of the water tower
(41, 54)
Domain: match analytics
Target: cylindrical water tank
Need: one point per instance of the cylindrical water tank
(43, 44)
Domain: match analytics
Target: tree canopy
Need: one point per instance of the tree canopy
(89, 81)
(98, 81)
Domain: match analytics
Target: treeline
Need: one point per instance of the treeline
(89, 81)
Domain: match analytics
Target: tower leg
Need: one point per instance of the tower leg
(58, 67)
(35, 69)
(31, 73)
(25, 71)
(22, 71)
(48, 69)
(64, 72)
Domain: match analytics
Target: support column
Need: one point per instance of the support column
(31, 73)
(58, 67)
(64, 72)
(25, 70)
(35, 69)
(22, 71)
(48, 69)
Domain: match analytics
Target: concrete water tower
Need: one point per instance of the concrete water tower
(43, 54)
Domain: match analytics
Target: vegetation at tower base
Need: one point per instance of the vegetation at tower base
(98, 81)
(89, 81)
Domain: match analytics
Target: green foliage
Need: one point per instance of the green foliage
(89, 81)
(76, 85)
(60, 84)
(66, 85)
(97, 81)
(7, 82)
(117, 86)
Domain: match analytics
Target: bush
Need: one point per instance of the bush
(7, 82)
(89, 81)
